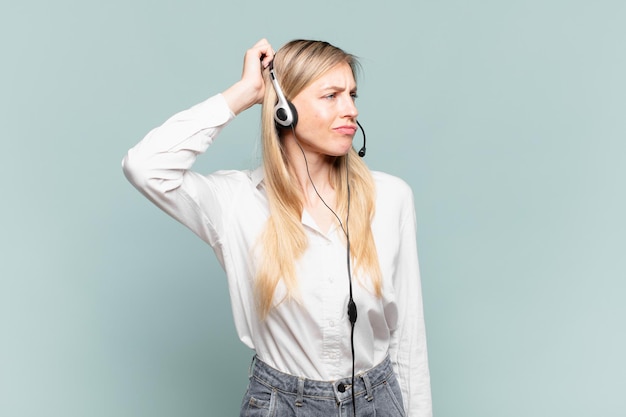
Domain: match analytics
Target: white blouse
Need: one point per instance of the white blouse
(308, 336)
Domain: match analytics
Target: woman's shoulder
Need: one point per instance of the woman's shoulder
(394, 200)
(388, 185)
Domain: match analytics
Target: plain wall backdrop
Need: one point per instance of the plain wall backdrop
(507, 118)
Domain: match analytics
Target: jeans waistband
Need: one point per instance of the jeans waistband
(339, 390)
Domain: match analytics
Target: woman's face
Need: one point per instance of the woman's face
(327, 113)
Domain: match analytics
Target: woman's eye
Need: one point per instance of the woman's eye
(330, 96)
(354, 96)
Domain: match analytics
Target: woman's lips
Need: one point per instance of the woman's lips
(346, 130)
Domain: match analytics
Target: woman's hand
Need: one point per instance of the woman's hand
(251, 88)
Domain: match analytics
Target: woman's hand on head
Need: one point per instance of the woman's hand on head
(250, 89)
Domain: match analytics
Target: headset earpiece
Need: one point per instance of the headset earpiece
(285, 114)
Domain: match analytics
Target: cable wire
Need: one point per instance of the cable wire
(352, 311)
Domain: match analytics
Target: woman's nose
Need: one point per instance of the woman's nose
(350, 109)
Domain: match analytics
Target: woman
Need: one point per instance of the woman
(307, 240)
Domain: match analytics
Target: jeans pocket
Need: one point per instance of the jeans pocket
(393, 399)
(259, 401)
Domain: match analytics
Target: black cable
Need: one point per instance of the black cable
(352, 313)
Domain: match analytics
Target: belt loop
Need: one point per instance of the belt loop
(300, 397)
(252, 365)
(368, 386)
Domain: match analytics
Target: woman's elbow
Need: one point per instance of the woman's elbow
(149, 176)
(135, 171)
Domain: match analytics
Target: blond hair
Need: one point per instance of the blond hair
(283, 241)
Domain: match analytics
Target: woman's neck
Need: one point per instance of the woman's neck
(311, 169)
(313, 172)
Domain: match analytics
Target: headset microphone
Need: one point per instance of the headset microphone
(362, 150)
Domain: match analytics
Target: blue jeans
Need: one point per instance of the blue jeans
(274, 393)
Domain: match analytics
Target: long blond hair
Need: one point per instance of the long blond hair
(283, 241)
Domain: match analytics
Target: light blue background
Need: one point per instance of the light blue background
(506, 117)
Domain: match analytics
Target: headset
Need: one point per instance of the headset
(286, 115)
